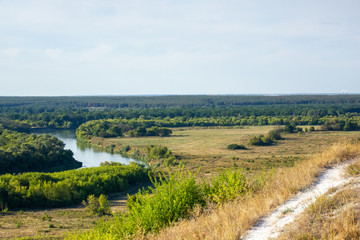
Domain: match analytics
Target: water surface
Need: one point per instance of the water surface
(83, 153)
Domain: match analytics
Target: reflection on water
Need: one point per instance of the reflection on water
(82, 152)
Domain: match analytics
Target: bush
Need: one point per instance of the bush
(172, 198)
(226, 186)
(289, 128)
(260, 141)
(99, 206)
(235, 147)
(171, 161)
(157, 152)
(125, 149)
(275, 134)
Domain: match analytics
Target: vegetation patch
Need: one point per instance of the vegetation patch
(173, 197)
(121, 127)
(21, 152)
(160, 155)
(40, 190)
(354, 168)
(261, 140)
(226, 186)
(97, 205)
(236, 147)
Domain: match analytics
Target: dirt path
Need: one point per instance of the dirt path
(118, 200)
(270, 226)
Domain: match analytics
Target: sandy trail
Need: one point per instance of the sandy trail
(270, 226)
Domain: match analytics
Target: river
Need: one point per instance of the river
(82, 153)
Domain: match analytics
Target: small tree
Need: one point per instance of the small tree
(275, 134)
(100, 206)
(104, 205)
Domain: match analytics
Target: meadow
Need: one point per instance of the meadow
(206, 147)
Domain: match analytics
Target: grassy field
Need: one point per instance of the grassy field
(52, 223)
(56, 223)
(207, 147)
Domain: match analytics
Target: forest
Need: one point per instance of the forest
(71, 112)
(119, 127)
(21, 152)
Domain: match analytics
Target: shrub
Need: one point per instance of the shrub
(226, 186)
(235, 147)
(104, 205)
(100, 206)
(91, 204)
(173, 197)
(289, 128)
(46, 217)
(171, 161)
(275, 134)
(158, 152)
(260, 141)
(125, 149)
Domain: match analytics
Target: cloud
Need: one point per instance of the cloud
(10, 52)
(53, 53)
(95, 54)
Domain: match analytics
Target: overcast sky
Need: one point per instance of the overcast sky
(133, 47)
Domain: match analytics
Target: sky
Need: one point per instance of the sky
(150, 47)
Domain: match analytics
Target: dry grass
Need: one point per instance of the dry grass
(45, 223)
(231, 221)
(354, 168)
(332, 216)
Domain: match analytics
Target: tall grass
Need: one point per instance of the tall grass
(233, 219)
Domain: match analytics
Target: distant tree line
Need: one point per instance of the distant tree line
(187, 101)
(180, 111)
